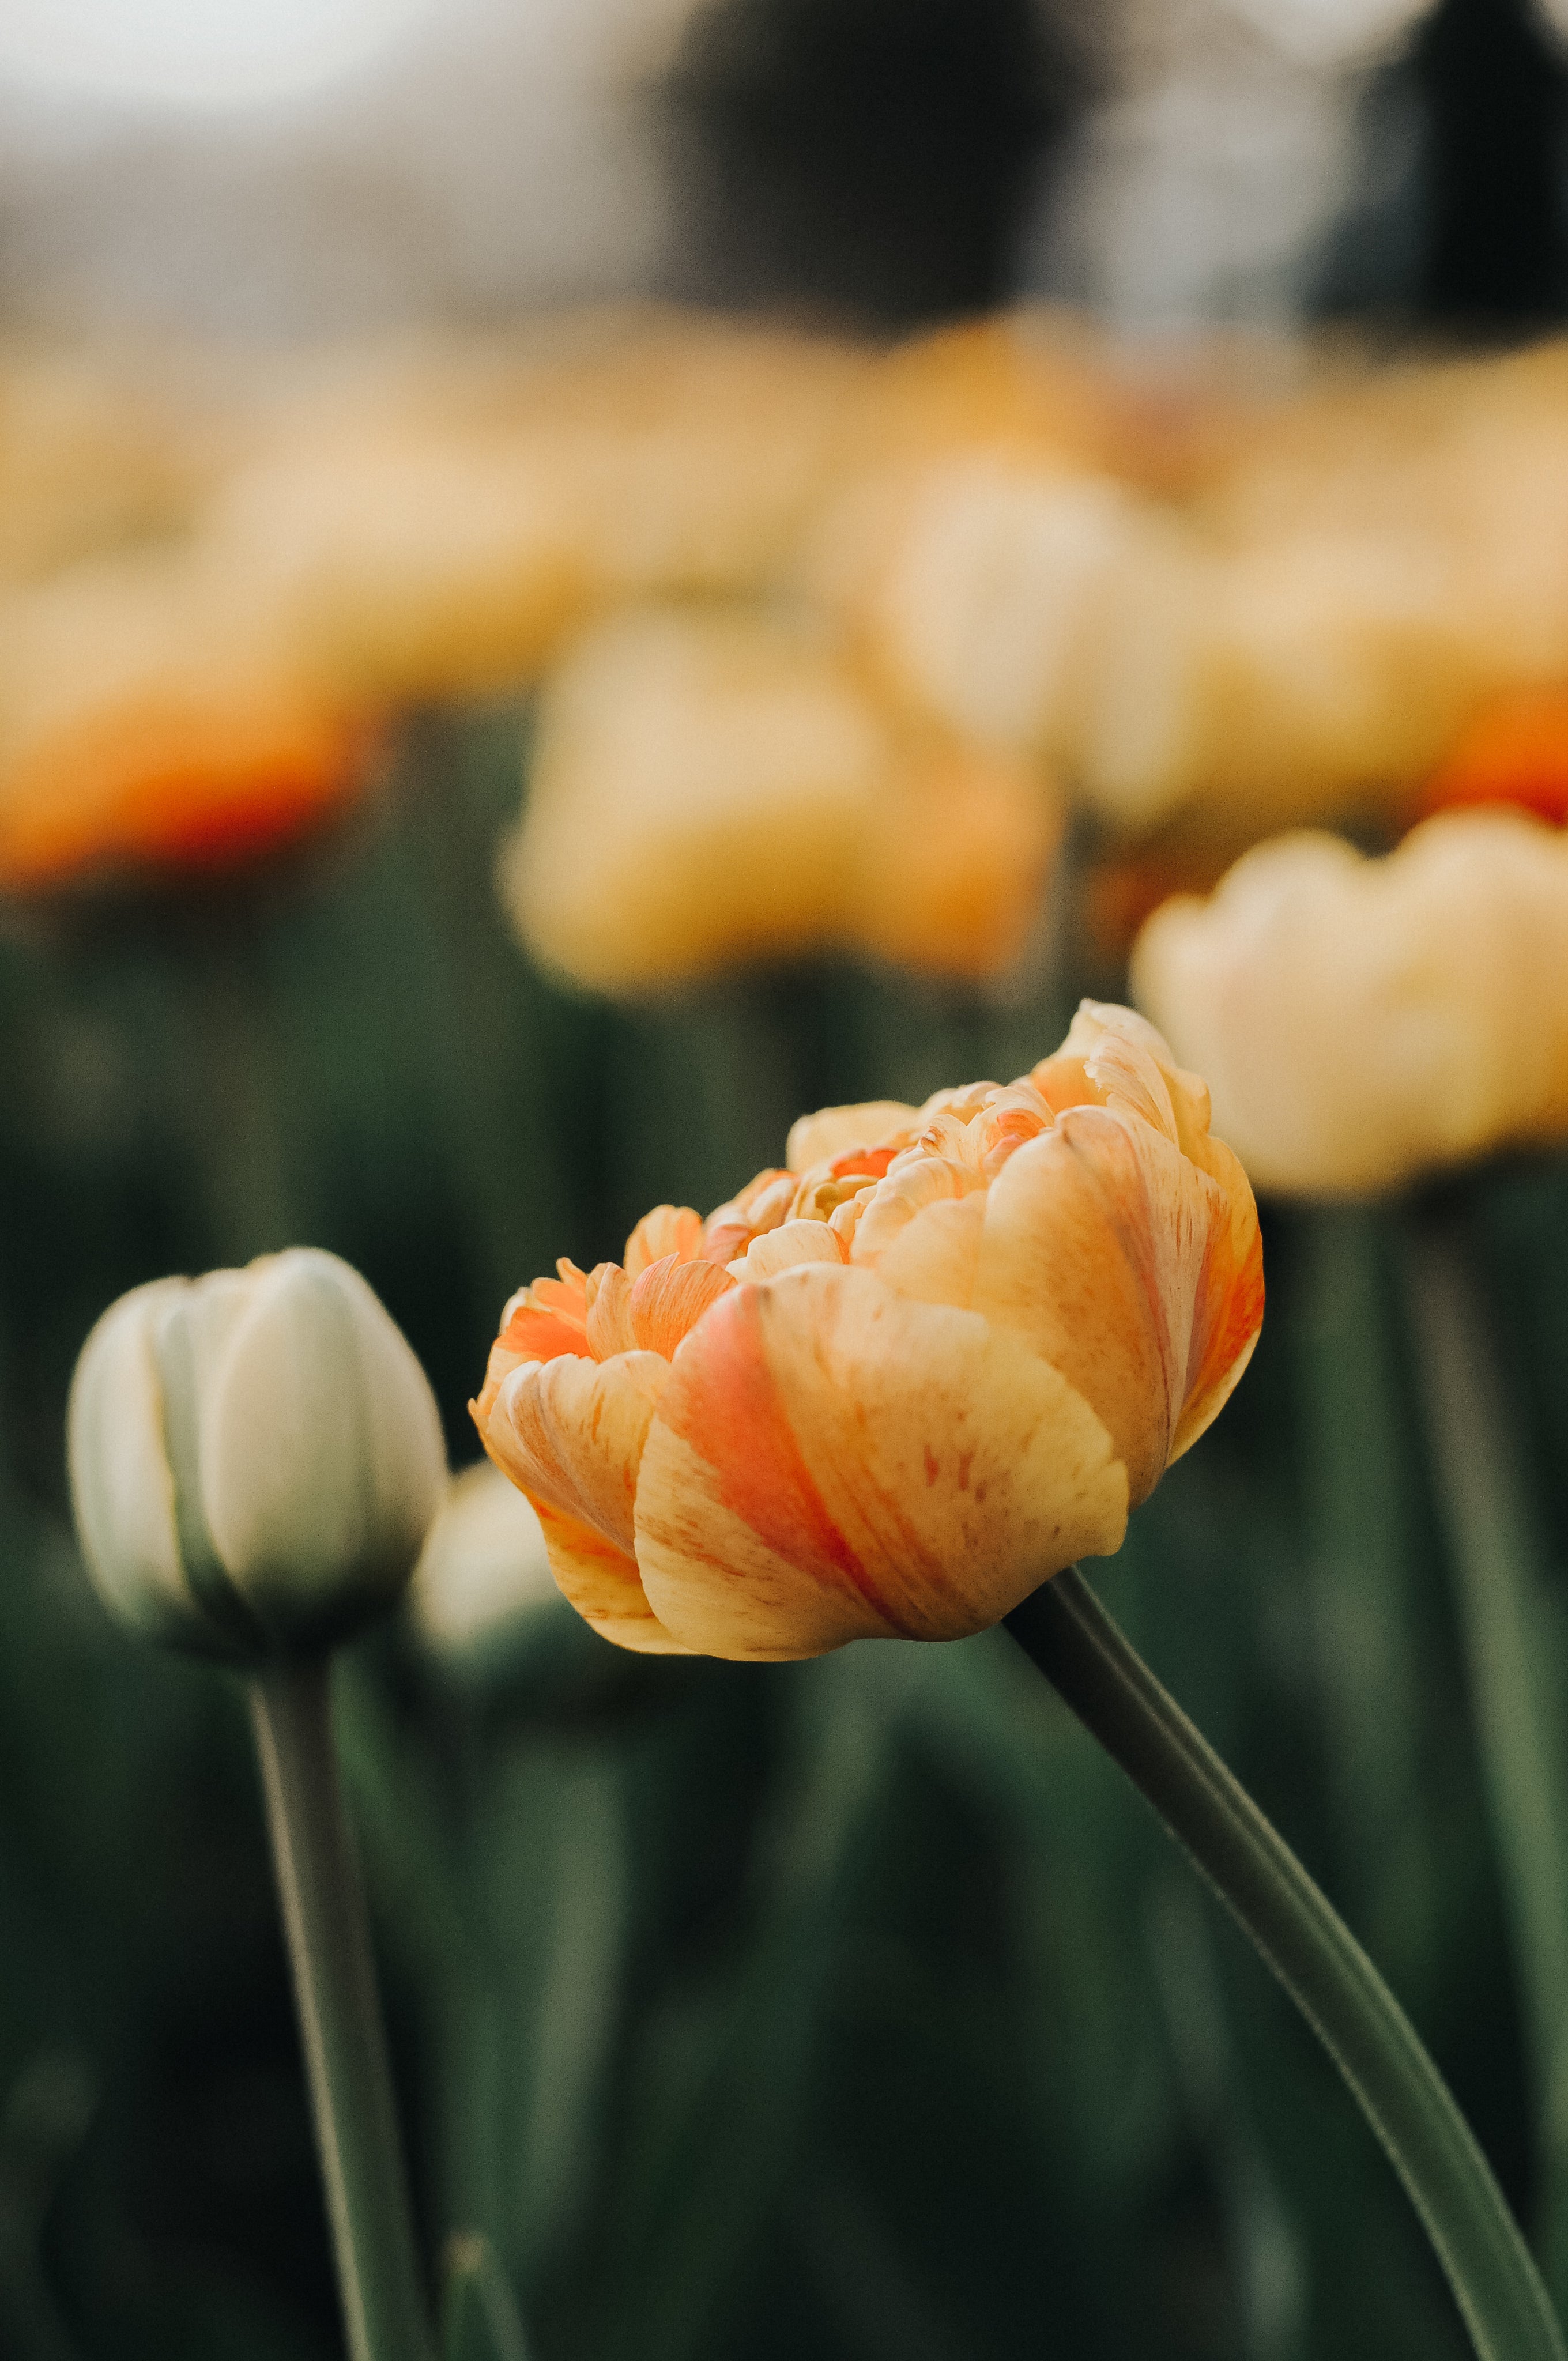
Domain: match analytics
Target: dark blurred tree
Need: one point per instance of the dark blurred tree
(866, 156)
(1460, 220)
(1494, 82)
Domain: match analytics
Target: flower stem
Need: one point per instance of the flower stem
(351, 2092)
(1497, 1554)
(1069, 1635)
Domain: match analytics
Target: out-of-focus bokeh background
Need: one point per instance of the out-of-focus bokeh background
(577, 577)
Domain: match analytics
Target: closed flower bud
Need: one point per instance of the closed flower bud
(254, 1457)
(886, 1391)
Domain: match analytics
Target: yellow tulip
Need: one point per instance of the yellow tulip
(1363, 1021)
(892, 1387)
(711, 785)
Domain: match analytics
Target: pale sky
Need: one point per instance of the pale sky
(196, 53)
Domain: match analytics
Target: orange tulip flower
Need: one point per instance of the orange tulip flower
(1514, 751)
(891, 1388)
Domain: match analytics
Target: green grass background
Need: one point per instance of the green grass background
(851, 2009)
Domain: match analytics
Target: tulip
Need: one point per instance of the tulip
(1365, 1021)
(484, 1571)
(1514, 751)
(151, 716)
(983, 598)
(1286, 676)
(254, 1457)
(891, 1388)
(711, 786)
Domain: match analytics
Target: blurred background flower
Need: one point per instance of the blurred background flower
(1364, 1022)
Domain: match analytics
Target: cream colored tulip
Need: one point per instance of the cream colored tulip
(1308, 673)
(1365, 1021)
(255, 1457)
(979, 592)
(709, 784)
(890, 1389)
(445, 531)
(484, 1572)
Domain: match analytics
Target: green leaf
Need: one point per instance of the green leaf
(480, 2318)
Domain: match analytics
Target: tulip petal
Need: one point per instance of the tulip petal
(533, 1333)
(311, 1374)
(533, 1328)
(1125, 1058)
(667, 1230)
(936, 1257)
(121, 1486)
(785, 1248)
(1228, 1312)
(831, 1461)
(834, 1131)
(609, 1329)
(570, 1433)
(1097, 1235)
(895, 1202)
(1230, 1299)
(670, 1299)
(604, 1586)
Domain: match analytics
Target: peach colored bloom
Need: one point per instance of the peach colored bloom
(710, 784)
(1514, 751)
(149, 715)
(1365, 1021)
(889, 1387)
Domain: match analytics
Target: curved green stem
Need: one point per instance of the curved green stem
(335, 1983)
(1075, 1643)
(1497, 1554)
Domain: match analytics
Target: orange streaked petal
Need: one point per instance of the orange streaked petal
(1096, 1240)
(923, 1181)
(604, 1586)
(536, 1336)
(566, 1296)
(832, 1132)
(1125, 1061)
(722, 1241)
(863, 1163)
(783, 1248)
(570, 1434)
(935, 1258)
(766, 1208)
(831, 1461)
(527, 1333)
(740, 1211)
(670, 1299)
(609, 1329)
(667, 1230)
(1230, 1302)
(1063, 1082)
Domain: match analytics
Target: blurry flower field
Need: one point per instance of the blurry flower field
(850, 2007)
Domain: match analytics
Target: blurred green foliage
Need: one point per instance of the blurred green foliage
(853, 2008)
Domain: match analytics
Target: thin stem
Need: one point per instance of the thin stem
(334, 1984)
(1364, 1583)
(1497, 1554)
(1066, 1631)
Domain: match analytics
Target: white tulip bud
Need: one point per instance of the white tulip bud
(255, 1457)
(484, 1574)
